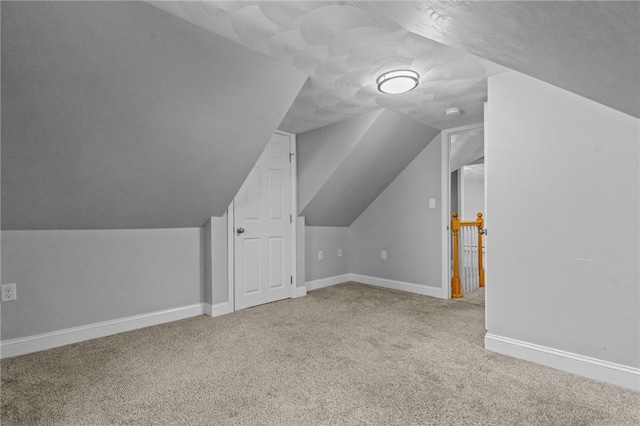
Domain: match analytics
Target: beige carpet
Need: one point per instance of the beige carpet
(344, 355)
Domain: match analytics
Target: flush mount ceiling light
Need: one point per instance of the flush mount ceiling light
(452, 111)
(399, 81)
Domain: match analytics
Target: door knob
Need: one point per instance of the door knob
(240, 230)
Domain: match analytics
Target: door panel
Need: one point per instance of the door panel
(262, 209)
(276, 273)
(251, 263)
(252, 196)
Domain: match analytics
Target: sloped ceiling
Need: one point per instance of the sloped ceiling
(321, 151)
(389, 144)
(344, 47)
(591, 48)
(119, 115)
(588, 47)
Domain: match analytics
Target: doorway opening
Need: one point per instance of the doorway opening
(464, 190)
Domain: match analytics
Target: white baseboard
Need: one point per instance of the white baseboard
(40, 342)
(400, 285)
(218, 309)
(380, 282)
(299, 292)
(605, 371)
(326, 282)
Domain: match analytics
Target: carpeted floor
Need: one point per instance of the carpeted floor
(350, 354)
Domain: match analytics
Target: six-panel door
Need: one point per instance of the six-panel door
(262, 211)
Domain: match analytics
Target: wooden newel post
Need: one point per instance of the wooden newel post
(456, 290)
(480, 221)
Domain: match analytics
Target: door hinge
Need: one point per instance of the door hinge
(290, 218)
(291, 154)
(291, 279)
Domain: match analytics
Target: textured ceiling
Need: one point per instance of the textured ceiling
(344, 47)
(591, 48)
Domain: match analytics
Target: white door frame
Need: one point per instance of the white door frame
(294, 209)
(445, 137)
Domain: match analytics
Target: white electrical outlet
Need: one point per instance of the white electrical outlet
(9, 292)
(339, 252)
(383, 255)
(320, 255)
(432, 203)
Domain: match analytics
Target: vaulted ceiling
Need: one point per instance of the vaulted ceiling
(590, 48)
(343, 167)
(120, 115)
(344, 47)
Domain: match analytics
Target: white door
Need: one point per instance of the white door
(263, 229)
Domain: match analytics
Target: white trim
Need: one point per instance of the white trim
(445, 136)
(593, 368)
(445, 209)
(40, 342)
(329, 281)
(299, 291)
(379, 282)
(218, 309)
(401, 285)
(486, 241)
(231, 256)
(293, 175)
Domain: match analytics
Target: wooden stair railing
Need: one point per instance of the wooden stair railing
(456, 224)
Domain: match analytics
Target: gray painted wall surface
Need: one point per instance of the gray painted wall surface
(392, 141)
(300, 252)
(401, 222)
(321, 151)
(328, 239)
(455, 191)
(208, 263)
(119, 115)
(72, 278)
(568, 168)
(472, 192)
(465, 148)
(216, 285)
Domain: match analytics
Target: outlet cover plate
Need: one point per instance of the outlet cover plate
(9, 292)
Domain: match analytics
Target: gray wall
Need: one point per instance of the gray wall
(216, 284)
(569, 169)
(401, 222)
(455, 191)
(300, 253)
(72, 278)
(328, 239)
(472, 191)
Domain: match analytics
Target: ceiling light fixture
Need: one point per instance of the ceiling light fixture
(398, 81)
(452, 111)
